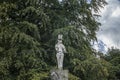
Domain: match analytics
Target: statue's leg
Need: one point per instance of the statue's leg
(62, 57)
(58, 60)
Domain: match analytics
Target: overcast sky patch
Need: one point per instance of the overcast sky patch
(109, 32)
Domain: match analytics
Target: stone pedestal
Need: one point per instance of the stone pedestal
(59, 74)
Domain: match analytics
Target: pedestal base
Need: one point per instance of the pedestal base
(59, 74)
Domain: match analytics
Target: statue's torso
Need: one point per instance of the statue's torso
(59, 48)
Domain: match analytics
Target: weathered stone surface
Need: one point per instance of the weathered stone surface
(59, 74)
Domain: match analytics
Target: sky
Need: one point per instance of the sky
(109, 31)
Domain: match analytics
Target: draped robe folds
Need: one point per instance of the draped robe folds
(60, 49)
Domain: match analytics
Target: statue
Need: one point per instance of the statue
(60, 49)
(59, 74)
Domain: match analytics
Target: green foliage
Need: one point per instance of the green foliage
(72, 77)
(91, 69)
(41, 76)
(28, 32)
(21, 54)
(113, 57)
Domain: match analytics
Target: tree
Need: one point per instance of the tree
(113, 57)
(21, 54)
(29, 29)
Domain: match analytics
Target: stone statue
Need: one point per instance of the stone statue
(59, 74)
(60, 49)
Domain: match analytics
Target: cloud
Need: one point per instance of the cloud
(109, 32)
(117, 11)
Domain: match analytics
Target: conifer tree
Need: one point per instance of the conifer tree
(28, 32)
(113, 57)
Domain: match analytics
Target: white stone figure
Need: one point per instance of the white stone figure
(60, 49)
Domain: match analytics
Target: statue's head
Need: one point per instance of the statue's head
(60, 37)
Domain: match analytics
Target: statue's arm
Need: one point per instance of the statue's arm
(56, 47)
(64, 49)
